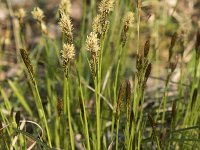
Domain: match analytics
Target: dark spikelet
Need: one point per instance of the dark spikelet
(163, 136)
(197, 45)
(128, 96)
(174, 110)
(151, 120)
(120, 98)
(81, 106)
(173, 39)
(139, 63)
(93, 66)
(148, 71)
(132, 120)
(17, 118)
(26, 60)
(173, 42)
(105, 28)
(153, 124)
(173, 64)
(194, 98)
(60, 106)
(1, 127)
(11, 114)
(146, 48)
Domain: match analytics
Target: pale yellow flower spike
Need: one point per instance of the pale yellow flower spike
(97, 25)
(20, 13)
(128, 19)
(66, 26)
(92, 43)
(65, 7)
(106, 6)
(38, 14)
(68, 52)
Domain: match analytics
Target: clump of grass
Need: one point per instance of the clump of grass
(96, 102)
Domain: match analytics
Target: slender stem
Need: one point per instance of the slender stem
(138, 25)
(71, 133)
(41, 112)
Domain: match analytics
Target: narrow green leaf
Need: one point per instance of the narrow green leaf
(20, 97)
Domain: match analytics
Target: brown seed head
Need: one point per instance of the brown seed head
(128, 96)
(146, 48)
(173, 64)
(120, 98)
(148, 71)
(26, 60)
(173, 42)
(60, 106)
(139, 63)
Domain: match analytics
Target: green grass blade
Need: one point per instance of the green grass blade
(20, 97)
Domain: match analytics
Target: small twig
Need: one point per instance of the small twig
(159, 78)
(93, 90)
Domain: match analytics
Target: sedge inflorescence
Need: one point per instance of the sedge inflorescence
(66, 27)
(38, 15)
(128, 21)
(65, 6)
(20, 14)
(68, 50)
(100, 26)
(92, 43)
